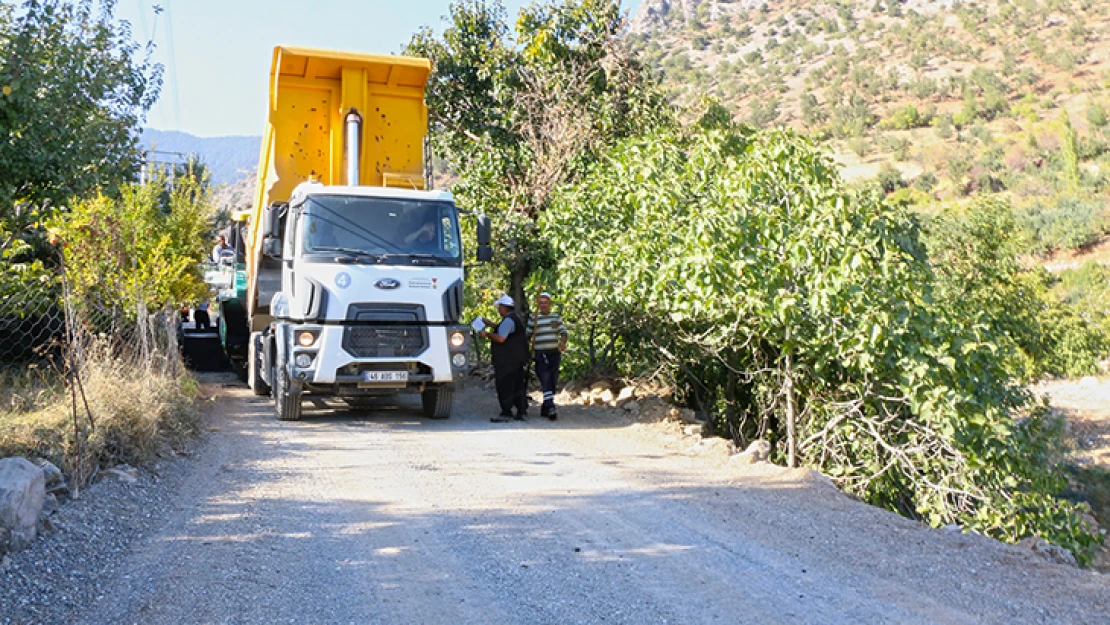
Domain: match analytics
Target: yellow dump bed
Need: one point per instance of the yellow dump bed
(311, 93)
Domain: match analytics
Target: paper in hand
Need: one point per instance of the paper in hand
(478, 324)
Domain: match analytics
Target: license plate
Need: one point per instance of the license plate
(385, 376)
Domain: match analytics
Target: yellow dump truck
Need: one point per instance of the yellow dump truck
(352, 284)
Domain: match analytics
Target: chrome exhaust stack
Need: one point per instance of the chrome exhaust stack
(353, 123)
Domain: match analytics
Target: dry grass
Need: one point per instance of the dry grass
(137, 412)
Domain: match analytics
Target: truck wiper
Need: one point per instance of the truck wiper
(428, 260)
(344, 250)
(425, 259)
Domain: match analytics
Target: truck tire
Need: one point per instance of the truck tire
(437, 401)
(254, 366)
(239, 368)
(287, 396)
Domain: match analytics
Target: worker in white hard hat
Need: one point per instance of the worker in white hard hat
(509, 348)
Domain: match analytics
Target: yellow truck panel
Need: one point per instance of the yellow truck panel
(311, 93)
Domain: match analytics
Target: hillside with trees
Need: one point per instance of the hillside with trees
(953, 98)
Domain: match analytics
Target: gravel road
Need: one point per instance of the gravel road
(380, 516)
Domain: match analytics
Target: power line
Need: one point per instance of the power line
(153, 35)
(142, 22)
(173, 64)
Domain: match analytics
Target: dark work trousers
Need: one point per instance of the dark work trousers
(203, 321)
(547, 371)
(509, 381)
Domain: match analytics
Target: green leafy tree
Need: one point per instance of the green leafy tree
(796, 310)
(520, 110)
(142, 247)
(74, 88)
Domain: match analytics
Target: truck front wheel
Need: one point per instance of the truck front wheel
(287, 396)
(253, 365)
(437, 401)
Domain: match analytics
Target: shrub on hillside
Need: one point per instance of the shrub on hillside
(889, 178)
(1096, 115)
(1068, 223)
(926, 182)
(905, 118)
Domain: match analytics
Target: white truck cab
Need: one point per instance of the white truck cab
(370, 298)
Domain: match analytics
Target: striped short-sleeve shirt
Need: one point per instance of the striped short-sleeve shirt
(549, 330)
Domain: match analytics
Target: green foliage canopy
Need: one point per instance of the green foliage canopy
(73, 92)
(519, 110)
(769, 288)
(143, 247)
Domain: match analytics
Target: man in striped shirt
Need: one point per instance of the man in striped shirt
(549, 341)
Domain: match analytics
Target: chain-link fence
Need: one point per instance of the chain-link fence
(32, 322)
(40, 319)
(78, 355)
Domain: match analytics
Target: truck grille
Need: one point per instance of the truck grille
(385, 341)
(396, 337)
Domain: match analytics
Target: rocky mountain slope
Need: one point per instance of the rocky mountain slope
(953, 94)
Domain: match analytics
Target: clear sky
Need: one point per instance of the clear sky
(217, 53)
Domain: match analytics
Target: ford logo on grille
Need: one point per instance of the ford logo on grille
(387, 283)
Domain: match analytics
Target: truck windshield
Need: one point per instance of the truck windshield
(383, 230)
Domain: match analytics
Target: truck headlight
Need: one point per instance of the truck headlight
(459, 360)
(457, 339)
(303, 360)
(306, 338)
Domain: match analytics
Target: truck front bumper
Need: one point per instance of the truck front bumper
(325, 361)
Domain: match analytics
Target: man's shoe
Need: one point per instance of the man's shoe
(551, 415)
(545, 411)
(501, 418)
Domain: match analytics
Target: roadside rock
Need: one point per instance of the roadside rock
(49, 506)
(625, 396)
(1048, 551)
(124, 473)
(52, 474)
(22, 493)
(713, 445)
(633, 407)
(757, 451)
(597, 388)
(605, 396)
(684, 415)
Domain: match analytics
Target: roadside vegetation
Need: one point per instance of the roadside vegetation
(886, 342)
(93, 265)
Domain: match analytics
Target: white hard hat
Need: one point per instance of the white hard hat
(545, 294)
(505, 301)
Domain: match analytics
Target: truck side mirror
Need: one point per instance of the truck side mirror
(271, 220)
(484, 229)
(485, 252)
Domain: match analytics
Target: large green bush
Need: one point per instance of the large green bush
(975, 253)
(771, 292)
(1068, 223)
